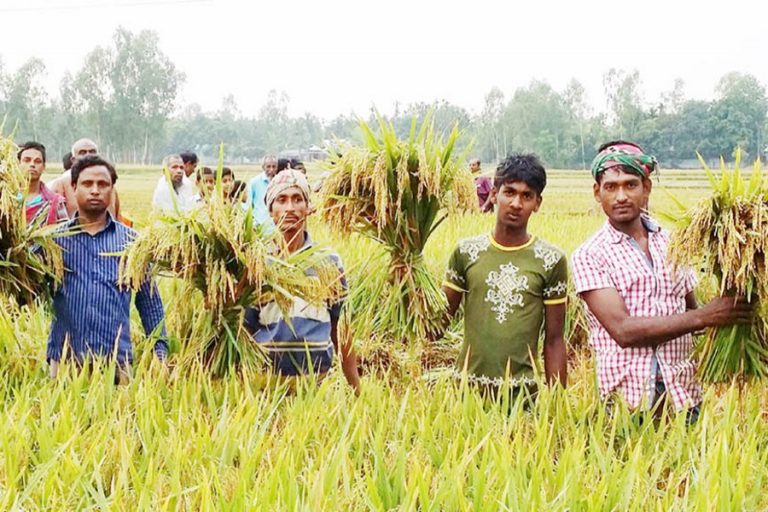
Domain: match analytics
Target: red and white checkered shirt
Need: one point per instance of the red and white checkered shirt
(612, 259)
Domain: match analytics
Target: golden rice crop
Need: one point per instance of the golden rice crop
(191, 442)
(397, 192)
(726, 235)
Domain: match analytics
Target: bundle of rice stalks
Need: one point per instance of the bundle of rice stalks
(219, 250)
(30, 260)
(397, 192)
(726, 235)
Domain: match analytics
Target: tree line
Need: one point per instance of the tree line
(125, 95)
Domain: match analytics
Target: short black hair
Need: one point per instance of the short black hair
(92, 161)
(31, 145)
(188, 157)
(204, 171)
(66, 161)
(525, 167)
(282, 164)
(615, 142)
(295, 162)
(226, 171)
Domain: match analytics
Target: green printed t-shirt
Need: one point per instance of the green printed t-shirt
(505, 290)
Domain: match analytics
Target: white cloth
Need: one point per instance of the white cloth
(163, 201)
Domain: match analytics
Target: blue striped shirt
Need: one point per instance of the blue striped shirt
(91, 312)
(304, 344)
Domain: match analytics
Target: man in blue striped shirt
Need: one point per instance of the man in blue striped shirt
(91, 311)
(305, 342)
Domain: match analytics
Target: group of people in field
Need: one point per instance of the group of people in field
(642, 313)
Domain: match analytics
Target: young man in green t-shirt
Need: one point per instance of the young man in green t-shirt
(513, 283)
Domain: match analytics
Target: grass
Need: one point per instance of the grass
(184, 441)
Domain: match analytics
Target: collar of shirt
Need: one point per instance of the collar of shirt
(110, 225)
(617, 236)
(308, 242)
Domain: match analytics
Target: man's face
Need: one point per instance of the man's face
(93, 190)
(515, 202)
(290, 209)
(176, 170)
(226, 183)
(83, 149)
(270, 168)
(189, 168)
(474, 166)
(31, 162)
(623, 195)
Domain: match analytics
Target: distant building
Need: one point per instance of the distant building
(305, 155)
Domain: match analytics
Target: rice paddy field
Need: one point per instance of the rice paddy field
(412, 440)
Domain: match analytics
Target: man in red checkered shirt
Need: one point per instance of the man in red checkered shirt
(641, 313)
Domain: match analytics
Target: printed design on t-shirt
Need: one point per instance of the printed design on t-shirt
(548, 255)
(472, 247)
(454, 276)
(504, 289)
(484, 380)
(558, 289)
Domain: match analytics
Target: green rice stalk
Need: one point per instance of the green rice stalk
(397, 192)
(726, 235)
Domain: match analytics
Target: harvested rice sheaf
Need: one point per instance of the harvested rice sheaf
(219, 250)
(30, 260)
(726, 235)
(397, 192)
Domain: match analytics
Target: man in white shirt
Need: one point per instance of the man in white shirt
(178, 195)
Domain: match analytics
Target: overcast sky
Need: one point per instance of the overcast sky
(339, 56)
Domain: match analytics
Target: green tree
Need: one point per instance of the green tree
(25, 99)
(739, 114)
(145, 84)
(622, 90)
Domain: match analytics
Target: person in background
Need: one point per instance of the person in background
(39, 200)
(91, 311)
(297, 165)
(63, 184)
(205, 182)
(66, 161)
(483, 186)
(283, 164)
(257, 189)
(227, 181)
(190, 163)
(176, 195)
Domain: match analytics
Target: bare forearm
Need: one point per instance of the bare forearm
(349, 367)
(652, 331)
(556, 362)
(453, 297)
